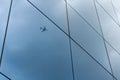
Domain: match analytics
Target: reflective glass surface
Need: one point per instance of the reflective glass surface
(59, 40)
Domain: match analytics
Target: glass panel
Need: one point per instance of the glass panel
(55, 9)
(86, 68)
(115, 61)
(109, 8)
(87, 10)
(88, 38)
(110, 29)
(32, 54)
(3, 78)
(36, 49)
(116, 4)
(4, 6)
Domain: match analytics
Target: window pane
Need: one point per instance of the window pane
(4, 7)
(31, 54)
(86, 68)
(88, 38)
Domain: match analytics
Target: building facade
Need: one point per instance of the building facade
(60, 39)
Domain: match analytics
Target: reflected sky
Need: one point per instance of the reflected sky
(30, 54)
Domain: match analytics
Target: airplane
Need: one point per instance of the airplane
(43, 29)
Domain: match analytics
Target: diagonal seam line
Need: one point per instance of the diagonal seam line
(3, 45)
(108, 13)
(98, 34)
(93, 28)
(5, 76)
(71, 39)
(71, 53)
(115, 11)
(103, 40)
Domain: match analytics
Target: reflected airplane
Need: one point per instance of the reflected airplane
(43, 29)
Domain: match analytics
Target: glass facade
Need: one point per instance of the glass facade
(59, 39)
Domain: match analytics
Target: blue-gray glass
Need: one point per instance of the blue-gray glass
(114, 58)
(37, 45)
(111, 32)
(117, 8)
(110, 29)
(109, 7)
(55, 9)
(86, 9)
(86, 68)
(3, 78)
(4, 7)
(88, 38)
(31, 54)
